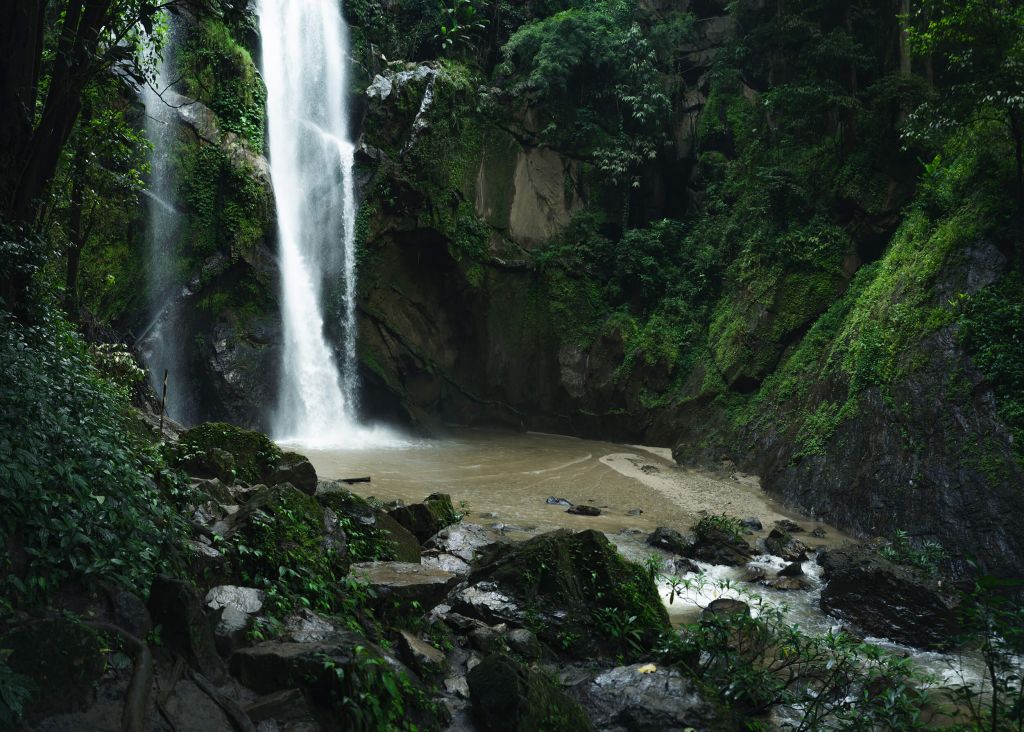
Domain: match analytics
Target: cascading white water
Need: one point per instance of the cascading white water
(305, 58)
(162, 343)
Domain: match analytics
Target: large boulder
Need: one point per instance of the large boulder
(223, 451)
(782, 544)
(719, 540)
(670, 540)
(372, 533)
(338, 675)
(509, 697)
(646, 697)
(886, 599)
(427, 518)
(572, 589)
(399, 584)
(295, 469)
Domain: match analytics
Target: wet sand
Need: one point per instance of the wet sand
(505, 478)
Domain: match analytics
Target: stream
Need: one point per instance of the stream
(503, 480)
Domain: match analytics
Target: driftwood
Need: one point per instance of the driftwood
(350, 481)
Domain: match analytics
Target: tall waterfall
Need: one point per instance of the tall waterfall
(305, 59)
(163, 342)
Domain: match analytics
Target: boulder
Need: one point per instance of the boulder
(185, 629)
(464, 540)
(753, 523)
(402, 583)
(419, 654)
(571, 588)
(63, 659)
(220, 450)
(372, 533)
(288, 528)
(725, 606)
(781, 544)
(305, 626)
(509, 697)
(295, 469)
(790, 527)
(793, 569)
(886, 599)
(646, 697)
(584, 510)
(235, 608)
(427, 518)
(670, 540)
(719, 546)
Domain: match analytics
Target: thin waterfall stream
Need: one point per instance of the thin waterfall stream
(305, 66)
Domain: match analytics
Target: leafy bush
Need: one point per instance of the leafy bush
(717, 524)
(832, 681)
(255, 454)
(84, 496)
(925, 557)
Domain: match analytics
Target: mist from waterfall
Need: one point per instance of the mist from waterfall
(305, 67)
(162, 342)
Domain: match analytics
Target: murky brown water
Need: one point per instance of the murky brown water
(505, 477)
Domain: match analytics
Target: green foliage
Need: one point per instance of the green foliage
(995, 625)
(757, 660)
(219, 71)
(461, 20)
(84, 496)
(601, 77)
(714, 525)
(992, 330)
(15, 692)
(925, 557)
(371, 695)
(230, 206)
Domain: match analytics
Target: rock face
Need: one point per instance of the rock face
(508, 697)
(886, 599)
(575, 587)
(402, 583)
(647, 697)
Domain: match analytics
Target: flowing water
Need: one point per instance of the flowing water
(305, 66)
(162, 342)
(503, 480)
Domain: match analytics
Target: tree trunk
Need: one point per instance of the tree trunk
(76, 230)
(904, 23)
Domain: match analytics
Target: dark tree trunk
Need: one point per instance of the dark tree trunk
(76, 230)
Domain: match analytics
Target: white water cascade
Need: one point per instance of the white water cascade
(305, 59)
(162, 343)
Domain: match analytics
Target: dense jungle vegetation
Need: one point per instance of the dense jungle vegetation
(783, 212)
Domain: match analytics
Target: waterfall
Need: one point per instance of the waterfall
(162, 343)
(305, 60)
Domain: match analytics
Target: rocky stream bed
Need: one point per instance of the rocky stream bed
(309, 607)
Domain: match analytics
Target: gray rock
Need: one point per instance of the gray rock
(405, 583)
(419, 654)
(248, 600)
(526, 645)
(648, 697)
(446, 563)
(753, 523)
(464, 540)
(297, 470)
(670, 540)
(583, 510)
(305, 626)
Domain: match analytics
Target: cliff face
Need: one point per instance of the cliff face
(761, 276)
(842, 379)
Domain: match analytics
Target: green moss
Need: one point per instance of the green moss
(219, 71)
(255, 455)
(230, 207)
(991, 327)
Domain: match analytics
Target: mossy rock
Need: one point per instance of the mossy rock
(253, 454)
(372, 534)
(295, 469)
(589, 601)
(509, 697)
(62, 658)
(427, 518)
(282, 528)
